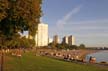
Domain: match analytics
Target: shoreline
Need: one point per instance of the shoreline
(81, 53)
(86, 52)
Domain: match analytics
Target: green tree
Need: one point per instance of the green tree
(26, 43)
(73, 47)
(18, 16)
(60, 46)
(66, 46)
(82, 46)
(52, 45)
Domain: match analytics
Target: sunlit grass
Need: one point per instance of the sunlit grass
(30, 62)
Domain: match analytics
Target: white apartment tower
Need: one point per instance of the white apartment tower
(71, 40)
(65, 40)
(41, 37)
(56, 39)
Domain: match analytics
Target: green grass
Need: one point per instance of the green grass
(29, 62)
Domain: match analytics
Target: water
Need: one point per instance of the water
(100, 56)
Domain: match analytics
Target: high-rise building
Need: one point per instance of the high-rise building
(71, 40)
(65, 40)
(55, 39)
(41, 37)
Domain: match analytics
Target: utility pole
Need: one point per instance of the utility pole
(2, 56)
(36, 41)
(2, 51)
(2, 60)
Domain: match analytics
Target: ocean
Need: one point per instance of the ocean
(101, 56)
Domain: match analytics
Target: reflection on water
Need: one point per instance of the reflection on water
(100, 56)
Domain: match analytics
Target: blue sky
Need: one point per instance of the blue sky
(87, 20)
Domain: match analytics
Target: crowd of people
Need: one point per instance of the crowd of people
(69, 55)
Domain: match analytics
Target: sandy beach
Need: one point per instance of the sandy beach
(79, 54)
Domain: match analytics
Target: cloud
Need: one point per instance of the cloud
(90, 24)
(95, 22)
(61, 22)
(93, 35)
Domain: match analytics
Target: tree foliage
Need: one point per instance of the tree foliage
(18, 16)
(82, 46)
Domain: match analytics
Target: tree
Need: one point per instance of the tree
(65, 45)
(52, 45)
(73, 47)
(18, 16)
(60, 46)
(26, 43)
(82, 46)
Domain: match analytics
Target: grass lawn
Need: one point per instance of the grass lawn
(29, 62)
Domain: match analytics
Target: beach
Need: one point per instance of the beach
(74, 54)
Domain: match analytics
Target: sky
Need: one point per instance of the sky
(86, 20)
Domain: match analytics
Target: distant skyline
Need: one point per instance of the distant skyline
(87, 20)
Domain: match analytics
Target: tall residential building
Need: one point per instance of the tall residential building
(65, 40)
(55, 39)
(41, 37)
(71, 40)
